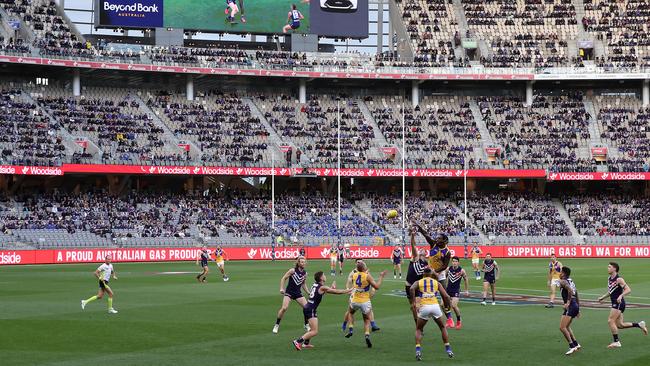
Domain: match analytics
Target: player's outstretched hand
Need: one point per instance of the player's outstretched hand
(281, 292)
(114, 277)
(349, 290)
(333, 284)
(383, 273)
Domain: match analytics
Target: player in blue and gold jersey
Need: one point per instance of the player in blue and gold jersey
(554, 270)
(219, 257)
(362, 283)
(428, 289)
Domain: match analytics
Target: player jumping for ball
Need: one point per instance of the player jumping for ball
(293, 19)
(103, 274)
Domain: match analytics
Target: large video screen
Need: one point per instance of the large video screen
(334, 18)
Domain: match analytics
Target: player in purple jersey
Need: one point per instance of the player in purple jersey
(571, 308)
(617, 289)
(318, 289)
(295, 280)
(455, 273)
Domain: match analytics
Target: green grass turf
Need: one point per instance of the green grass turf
(262, 16)
(172, 320)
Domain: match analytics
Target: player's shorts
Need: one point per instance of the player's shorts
(333, 259)
(293, 295)
(204, 263)
(572, 311)
(442, 276)
(341, 258)
(365, 307)
(309, 313)
(427, 312)
(475, 260)
(555, 282)
(220, 264)
(490, 280)
(453, 293)
(620, 307)
(397, 261)
(295, 25)
(103, 285)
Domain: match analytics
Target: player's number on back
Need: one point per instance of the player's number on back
(358, 281)
(312, 293)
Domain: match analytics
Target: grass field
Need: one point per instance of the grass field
(169, 319)
(262, 16)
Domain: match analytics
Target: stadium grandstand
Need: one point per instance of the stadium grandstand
(496, 123)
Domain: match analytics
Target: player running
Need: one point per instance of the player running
(219, 258)
(296, 277)
(454, 274)
(333, 260)
(103, 274)
(318, 289)
(231, 10)
(293, 19)
(571, 308)
(396, 256)
(417, 264)
(476, 257)
(203, 257)
(491, 275)
(428, 288)
(617, 289)
(554, 271)
(363, 282)
(347, 317)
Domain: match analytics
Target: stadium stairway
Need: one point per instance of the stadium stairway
(195, 152)
(575, 235)
(274, 137)
(580, 14)
(483, 239)
(25, 33)
(486, 138)
(379, 139)
(68, 139)
(364, 208)
(594, 135)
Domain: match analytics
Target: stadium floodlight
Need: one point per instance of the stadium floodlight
(339, 5)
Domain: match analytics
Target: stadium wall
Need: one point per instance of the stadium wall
(68, 256)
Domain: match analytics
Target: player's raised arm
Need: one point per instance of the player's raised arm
(427, 237)
(284, 278)
(377, 284)
(330, 290)
(414, 249)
